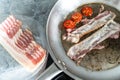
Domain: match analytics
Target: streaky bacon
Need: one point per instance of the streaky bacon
(11, 26)
(79, 50)
(99, 21)
(21, 44)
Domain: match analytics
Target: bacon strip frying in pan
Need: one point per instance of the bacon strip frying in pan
(94, 24)
(21, 44)
(79, 50)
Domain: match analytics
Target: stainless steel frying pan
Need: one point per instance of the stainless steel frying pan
(59, 12)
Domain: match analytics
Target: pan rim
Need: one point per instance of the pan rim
(52, 52)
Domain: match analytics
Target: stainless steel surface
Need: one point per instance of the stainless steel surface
(59, 12)
(49, 73)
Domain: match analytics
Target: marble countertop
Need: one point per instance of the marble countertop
(35, 9)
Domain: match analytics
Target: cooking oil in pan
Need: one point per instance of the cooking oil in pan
(103, 59)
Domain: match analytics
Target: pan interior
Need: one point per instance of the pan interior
(97, 60)
(58, 14)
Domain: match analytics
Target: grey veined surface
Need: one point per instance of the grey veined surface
(34, 14)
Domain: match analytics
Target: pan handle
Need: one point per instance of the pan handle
(50, 73)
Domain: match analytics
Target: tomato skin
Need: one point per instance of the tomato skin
(76, 17)
(69, 24)
(87, 11)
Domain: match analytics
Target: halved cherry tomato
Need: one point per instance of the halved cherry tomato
(87, 11)
(69, 24)
(76, 17)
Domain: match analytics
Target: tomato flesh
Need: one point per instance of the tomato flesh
(87, 11)
(76, 17)
(69, 24)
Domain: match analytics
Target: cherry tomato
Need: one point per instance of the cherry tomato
(76, 17)
(69, 24)
(87, 11)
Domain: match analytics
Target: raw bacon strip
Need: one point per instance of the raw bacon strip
(78, 51)
(35, 54)
(28, 35)
(93, 25)
(11, 26)
(20, 44)
(24, 39)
